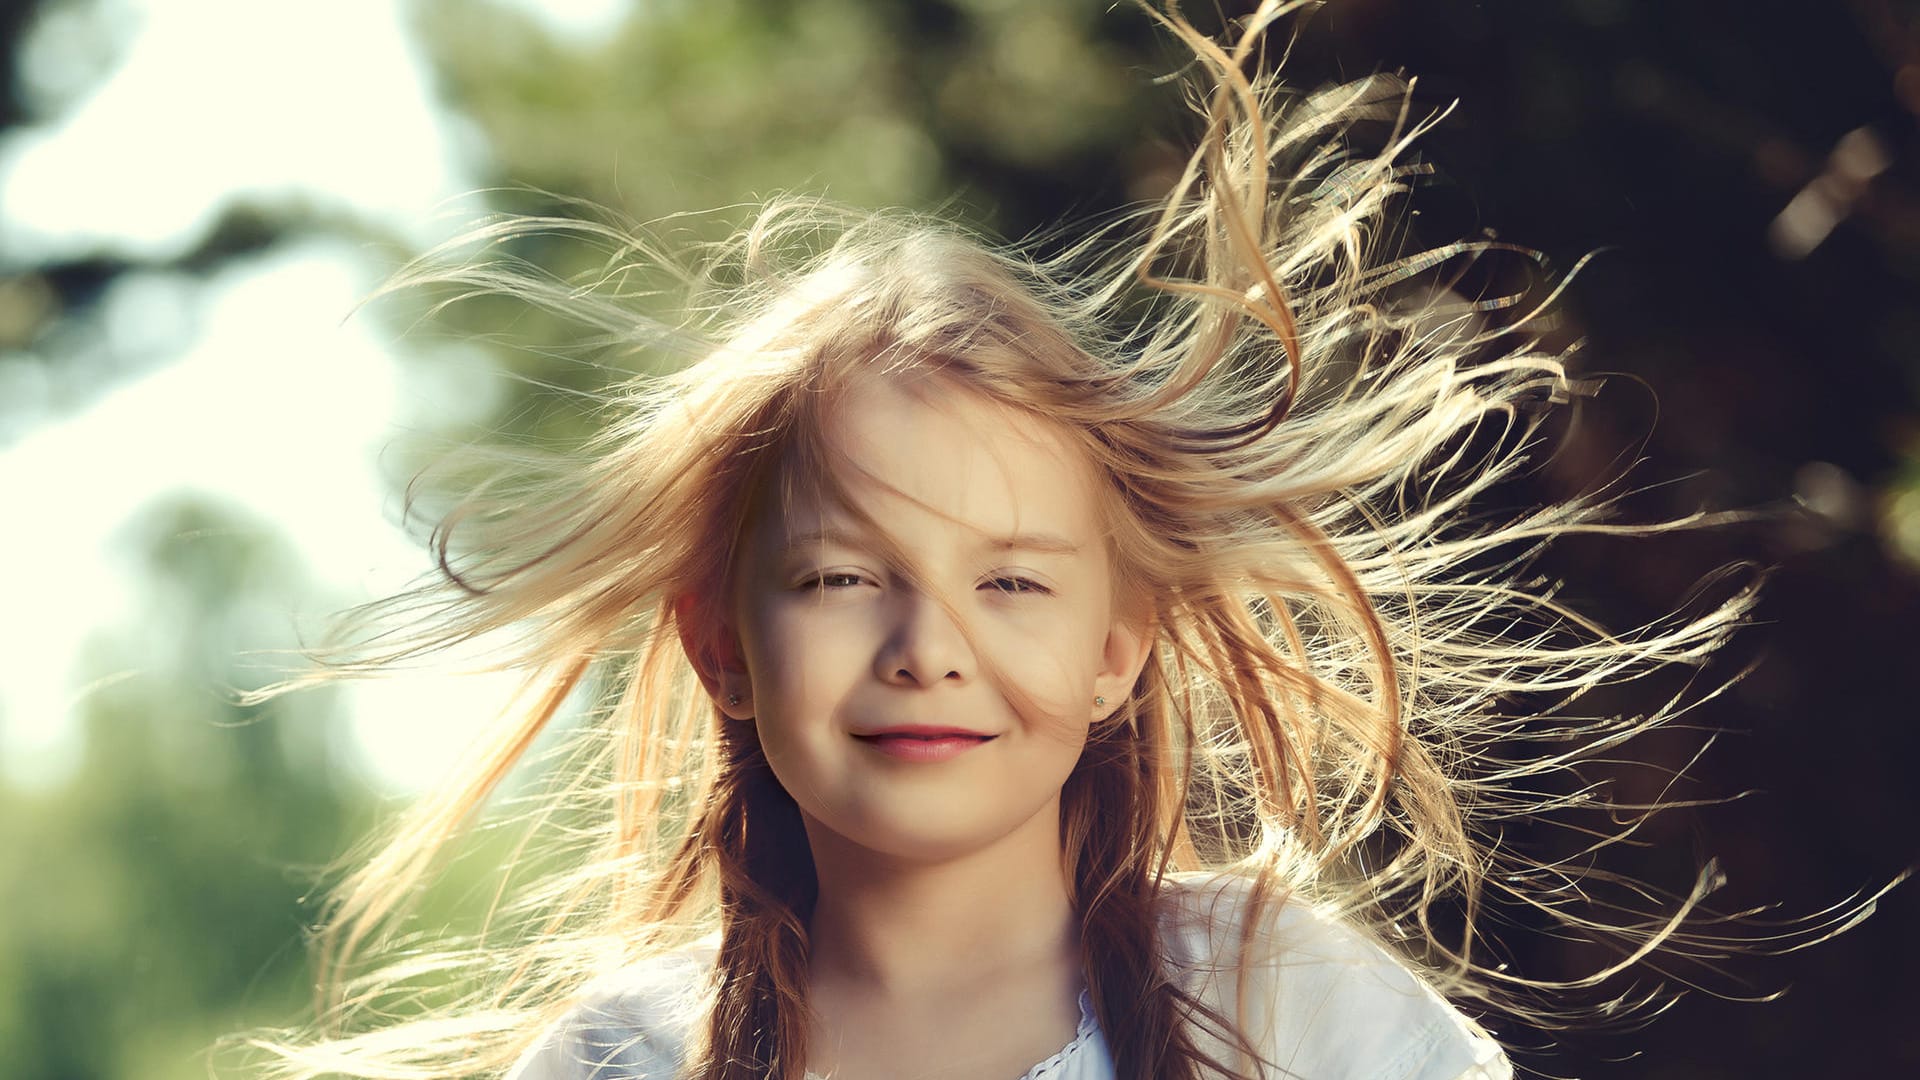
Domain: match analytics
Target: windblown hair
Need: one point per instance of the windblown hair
(1293, 440)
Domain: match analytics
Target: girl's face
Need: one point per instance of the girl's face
(850, 670)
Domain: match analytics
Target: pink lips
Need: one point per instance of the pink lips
(916, 743)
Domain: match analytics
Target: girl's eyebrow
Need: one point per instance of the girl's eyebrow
(1042, 543)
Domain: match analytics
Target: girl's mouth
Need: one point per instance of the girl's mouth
(906, 746)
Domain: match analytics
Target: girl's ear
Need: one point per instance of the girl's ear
(1128, 643)
(713, 649)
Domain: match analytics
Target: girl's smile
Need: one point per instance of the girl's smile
(922, 743)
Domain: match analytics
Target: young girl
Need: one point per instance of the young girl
(994, 668)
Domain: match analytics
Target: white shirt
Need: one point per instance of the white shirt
(1320, 1001)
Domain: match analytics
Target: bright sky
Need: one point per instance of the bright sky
(256, 393)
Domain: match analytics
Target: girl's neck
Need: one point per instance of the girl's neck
(898, 928)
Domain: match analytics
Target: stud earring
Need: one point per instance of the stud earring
(733, 699)
(1099, 702)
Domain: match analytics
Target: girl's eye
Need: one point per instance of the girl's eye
(1016, 586)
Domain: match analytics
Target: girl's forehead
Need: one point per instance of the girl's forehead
(922, 455)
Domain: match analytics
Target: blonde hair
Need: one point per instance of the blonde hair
(1294, 442)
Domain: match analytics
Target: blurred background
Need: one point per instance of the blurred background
(200, 452)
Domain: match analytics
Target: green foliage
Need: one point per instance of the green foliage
(692, 106)
(155, 901)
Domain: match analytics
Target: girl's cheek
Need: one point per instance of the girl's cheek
(1052, 675)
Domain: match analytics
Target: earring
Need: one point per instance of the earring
(1099, 702)
(733, 699)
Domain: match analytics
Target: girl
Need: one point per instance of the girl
(1003, 668)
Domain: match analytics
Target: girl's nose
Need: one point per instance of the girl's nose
(924, 645)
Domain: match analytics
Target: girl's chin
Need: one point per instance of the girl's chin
(929, 834)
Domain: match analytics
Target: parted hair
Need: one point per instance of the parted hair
(1292, 432)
